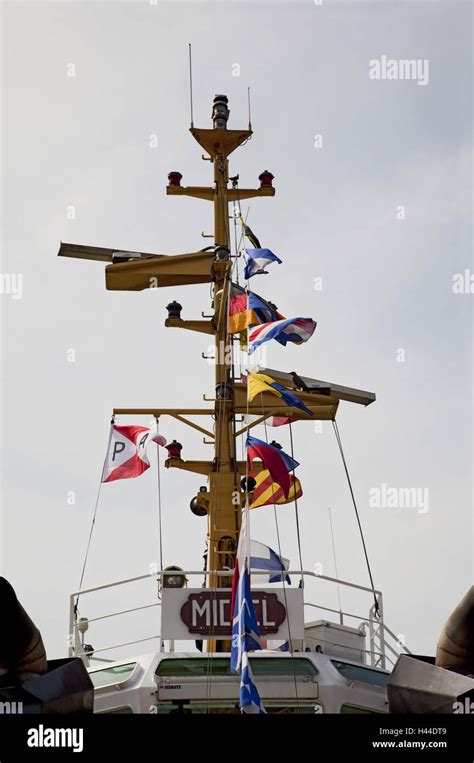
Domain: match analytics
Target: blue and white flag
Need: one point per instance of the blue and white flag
(250, 701)
(257, 260)
(265, 558)
(245, 630)
(278, 646)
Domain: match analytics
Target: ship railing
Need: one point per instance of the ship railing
(380, 651)
(384, 645)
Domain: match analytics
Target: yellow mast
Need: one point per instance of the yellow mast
(223, 512)
(223, 505)
(224, 489)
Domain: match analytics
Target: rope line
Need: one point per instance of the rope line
(93, 518)
(283, 576)
(335, 560)
(297, 518)
(349, 482)
(160, 528)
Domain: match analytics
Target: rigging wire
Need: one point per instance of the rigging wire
(160, 528)
(283, 577)
(93, 518)
(191, 84)
(236, 246)
(297, 518)
(339, 442)
(335, 560)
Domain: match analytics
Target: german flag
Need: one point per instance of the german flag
(267, 491)
(238, 307)
(248, 309)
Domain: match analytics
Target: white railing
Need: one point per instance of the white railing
(379, 633)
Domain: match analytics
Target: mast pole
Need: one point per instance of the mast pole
(224, 496)
(224, 489)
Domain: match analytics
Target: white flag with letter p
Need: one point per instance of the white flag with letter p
(127, 456)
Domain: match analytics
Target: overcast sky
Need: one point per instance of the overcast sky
(388, 318)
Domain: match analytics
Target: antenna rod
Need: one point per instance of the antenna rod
(335, 561)
(191, 84)
(248, 101)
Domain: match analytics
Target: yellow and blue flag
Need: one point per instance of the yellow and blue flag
(258, 383)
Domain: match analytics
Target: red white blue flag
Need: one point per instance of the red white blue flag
(297, 330)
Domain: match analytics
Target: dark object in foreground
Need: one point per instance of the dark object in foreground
(423, 685)
(22, 654)
(455, 649)
(28, 682)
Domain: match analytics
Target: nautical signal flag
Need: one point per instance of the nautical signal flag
(248, 309)
(250, 702)
(262, 311)
(278, 463)
(268, 492)
(257, 260)
(265, 559)
(238, 304)
(297, 330)
(250, 235)
(126, 455)
(245, 630)
(258, 383)
(279, 421)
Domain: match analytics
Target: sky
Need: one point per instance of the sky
(373, 204)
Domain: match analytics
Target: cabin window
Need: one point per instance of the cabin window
(276, 667)
(362, 674)
(123, 710)
(112, 676)
(219, 666)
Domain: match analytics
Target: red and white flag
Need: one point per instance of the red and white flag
(126, 456)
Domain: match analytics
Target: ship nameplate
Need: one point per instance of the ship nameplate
(204, 613)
